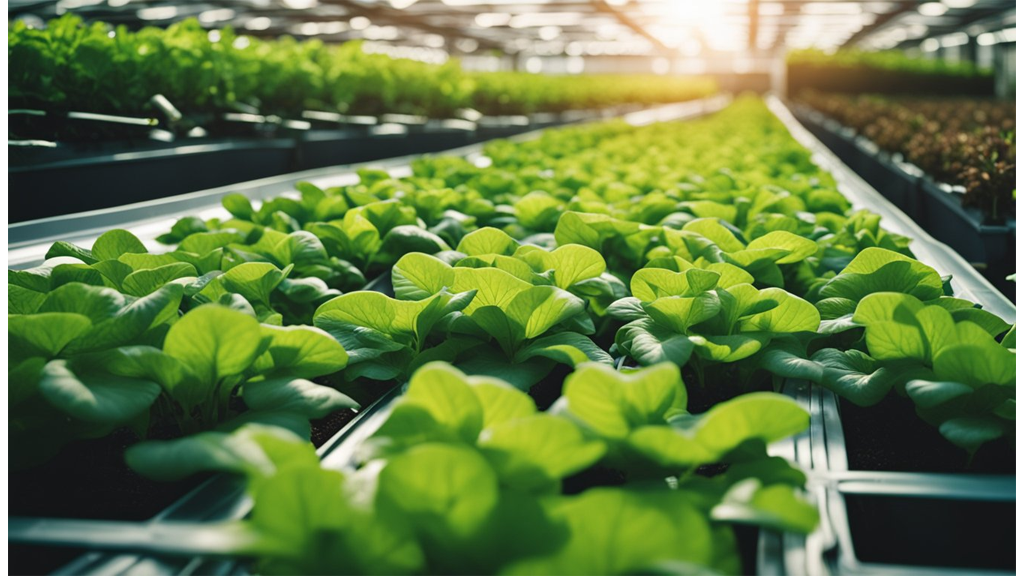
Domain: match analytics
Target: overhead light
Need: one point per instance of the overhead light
(467, 44)
(956, 39)
(359, 23)
(157, 13)
(534, 19)
(574, 65)
(930, 45)
(258, 23)
(534, 65)
(932, 9)
(218, 15)
(492, 19)
(433, 41)
(402, 4)
(300, 4)
(986, 39)
(959, 3)
(549, 32)
(773, 9)
(831, 8)
(117, 3)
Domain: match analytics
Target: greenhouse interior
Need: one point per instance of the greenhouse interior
(523, 287)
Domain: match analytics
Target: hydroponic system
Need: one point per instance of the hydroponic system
(460, 287)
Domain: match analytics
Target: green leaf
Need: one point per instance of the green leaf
(928, 394)
(792, 314)
(777, 507)
(22, 300)
(680, 313)
(44, 334)
(761, 415)
(444, 392)
(535, 452)
(493, 287)
(569, 348)
(143, 282)
(62, 248)
(253, 450)
(540, 308)
(633, 529)
(799, 248)
(612, 403)
(729, 348)
(976, 364)
(879, 270)
(297, 395)
(418, 276)
(114, 243)
(487, 241)
(101, 398)
(303, 351)
(253, 280)
(214, 342)
(445, 490)
(970, 433)
(648, 343)
(855, 376)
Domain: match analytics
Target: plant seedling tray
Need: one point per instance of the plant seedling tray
(105, 547)
(891, 522)
(934, 206)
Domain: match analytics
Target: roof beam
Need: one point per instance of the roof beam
(387, 15)
(603, 6)
(882, 20)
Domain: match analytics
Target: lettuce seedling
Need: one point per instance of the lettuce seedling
(532, 326)
(530, 451)
(642, 418)
(219, 368)
(948, 362)
(385, 338)
(60, 389)
(714, 312)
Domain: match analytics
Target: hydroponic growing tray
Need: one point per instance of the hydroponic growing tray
(935, 206)
(84, 177)
(842, 495)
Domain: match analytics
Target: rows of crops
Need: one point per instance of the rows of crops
(593, 326)
(963, 141)
(103, 68)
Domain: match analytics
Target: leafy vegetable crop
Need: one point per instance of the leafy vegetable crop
(713, 252)
(99, 67)
(959, 141)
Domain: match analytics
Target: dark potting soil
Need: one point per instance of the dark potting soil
(325, 428)
(890, 436)
(89, 479)
(932, 532)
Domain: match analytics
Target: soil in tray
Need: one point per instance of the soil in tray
(89, 479)
(889, 436)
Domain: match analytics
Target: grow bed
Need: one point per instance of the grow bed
(936, 206)
(820, 449)
(85, 177)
